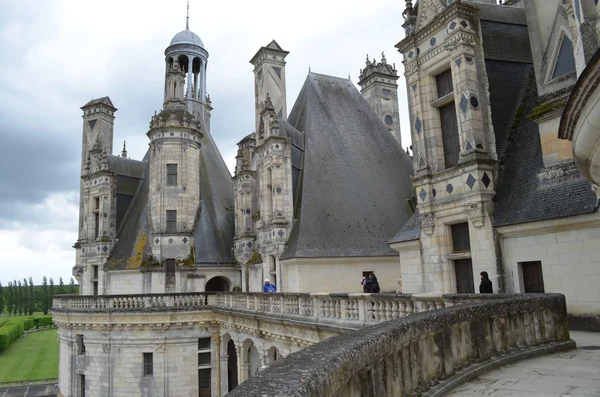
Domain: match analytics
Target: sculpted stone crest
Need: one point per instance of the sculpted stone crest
(428, 9)
(475, 214)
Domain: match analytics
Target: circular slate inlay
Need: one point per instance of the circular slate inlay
(248, 210)
(474, 102)
(432, 41)
(172, 133)
(449, 188)
(433, 192)
(418, 51)
(170, 241)
(388, 120)
(278, 190)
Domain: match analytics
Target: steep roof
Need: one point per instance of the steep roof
(522, 194)
(355, 178)
(410, 231)
(215, 226)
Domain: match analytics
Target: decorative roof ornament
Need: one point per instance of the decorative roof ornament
(368, 62)
(124, 151)
(187, 18)
(383, 60)
(410, 18)
(268, 103)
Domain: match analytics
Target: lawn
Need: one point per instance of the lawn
(31, 357)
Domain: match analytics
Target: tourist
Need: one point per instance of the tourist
(365, 285)
(269, 287)
(373, 284)
(486, 284)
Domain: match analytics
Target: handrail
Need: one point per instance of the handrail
(410, 355)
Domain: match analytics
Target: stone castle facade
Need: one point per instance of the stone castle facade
(324, 194)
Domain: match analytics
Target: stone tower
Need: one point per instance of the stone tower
(269, 79)
(453, 143)
(97, 201)
(175, 135)
(378, 85)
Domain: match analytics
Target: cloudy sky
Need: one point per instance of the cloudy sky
(58, 54)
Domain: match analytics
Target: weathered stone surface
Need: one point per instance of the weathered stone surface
(431, 346)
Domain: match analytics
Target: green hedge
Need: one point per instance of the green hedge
(9, 332)
(12, 329)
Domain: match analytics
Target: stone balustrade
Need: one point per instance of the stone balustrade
(146, 302)
(426, 353)
(343, 310)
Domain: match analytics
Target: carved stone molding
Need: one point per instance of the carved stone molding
(475, 214)
(428, 223)
(596, 189)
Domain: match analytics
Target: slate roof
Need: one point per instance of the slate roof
(355, 178)
(127, 167)
(520, 196)
(104, 101)
(410, 231)
(215, 225)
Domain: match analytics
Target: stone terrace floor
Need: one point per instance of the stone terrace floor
(569, 373)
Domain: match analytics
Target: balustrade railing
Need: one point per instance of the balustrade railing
(336, 309)
(427, 353)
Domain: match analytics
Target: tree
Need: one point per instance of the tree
(72, 286)
(31, 292)
(9, 298)
(19, 297)
(45, 296)
(1, 300)
(25, 297)
(51, 291)
(61, 287)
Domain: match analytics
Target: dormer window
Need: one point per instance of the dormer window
(565, 61)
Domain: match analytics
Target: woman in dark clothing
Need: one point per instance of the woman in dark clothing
(373, 284)
(486, 285)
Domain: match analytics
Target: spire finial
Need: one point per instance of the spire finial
(124, 151)
(187, 18)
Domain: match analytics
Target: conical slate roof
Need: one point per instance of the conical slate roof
(355, 181)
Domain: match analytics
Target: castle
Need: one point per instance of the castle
(502, 176)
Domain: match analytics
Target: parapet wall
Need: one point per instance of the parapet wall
(425, 353)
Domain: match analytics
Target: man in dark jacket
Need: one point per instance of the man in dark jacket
(486, 284)
(373, 284)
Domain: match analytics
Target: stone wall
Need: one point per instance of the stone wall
(426, 352)
(338, 274)
(570, 256)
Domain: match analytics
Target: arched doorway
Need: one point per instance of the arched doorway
(216, 284)
(253, 360)
(232, 366)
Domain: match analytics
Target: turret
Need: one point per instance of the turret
(269, 80)
(378, 85)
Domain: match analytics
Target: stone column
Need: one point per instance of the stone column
(216, 338)
(190, 77)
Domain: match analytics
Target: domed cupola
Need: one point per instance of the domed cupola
(187, 51)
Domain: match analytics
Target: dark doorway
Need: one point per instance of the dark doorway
(463, 268)
(170, 276)
(533, 279)
(216, 284)
(232, 370)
